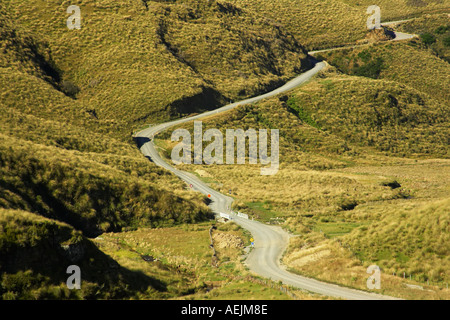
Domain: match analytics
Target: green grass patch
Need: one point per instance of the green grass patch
(301, 113)
(335, 229)
(242, 290)
(263, 209)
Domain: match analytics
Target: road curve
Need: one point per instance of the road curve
(264, 259)
(399, 36)
(270, 241)
(220, 202)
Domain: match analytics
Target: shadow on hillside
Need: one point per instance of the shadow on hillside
(208, 201)
(50, 206)
(389, 33)
(314, 60)
(149, 158)
(140, 141)
(101, 276)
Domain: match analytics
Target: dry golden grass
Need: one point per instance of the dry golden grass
(392, 10)
(172, 58)
(400, 63)
(92, 196)
(206, 53)
(330, 261)
(436, 25)
(37, 251)
(185, 254)
(336, 191)
(316, 24)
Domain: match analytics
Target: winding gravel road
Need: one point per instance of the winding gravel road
(220, 202)
(270, 241)
(399, 36)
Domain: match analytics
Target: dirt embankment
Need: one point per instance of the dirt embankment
(226, 240)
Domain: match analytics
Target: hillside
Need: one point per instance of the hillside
(434, 31)
(364, 148)
(397, 62)
(35, 253)
(393, 10)
(92, 197)
(317, 24)
(356, 155)
(199, 49)
(384, 114)
(70, 101)
(66, 98)
(408, 241)
(422, 233)
(33, 249)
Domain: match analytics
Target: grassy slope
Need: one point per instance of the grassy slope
(43, 130)
(317, 25)
(67, 120)
(334, 180)
(415, 239)
(320, 138)
(397, 61)
(392, 10)
(332, 23)
(46, 69)
(47, 65)
(383, 114)
(402, 237)
(198, 49)
(438, 26)
(92, 197)
(36, 251)
(187, 248)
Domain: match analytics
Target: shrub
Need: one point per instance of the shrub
(428, 38)
(347, 204)
(371, 69)
(392, 184)
(69, 88)
(447, 42)
(442, 29)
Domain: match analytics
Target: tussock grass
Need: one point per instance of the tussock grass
(417, 239)
(185, 251)
(93, 197)
(398, 62)
(334, 187)
(316, 24)
(36, 251)
(402, 9)
(382, 114)
(70, 100)
(402, 238)
(437, 27)
(199, 49)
